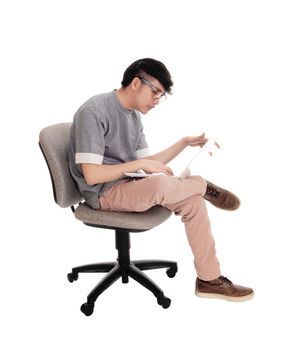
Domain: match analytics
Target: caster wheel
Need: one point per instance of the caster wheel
(72, 277)
(164, 302)
(171, 272)
(87, 309)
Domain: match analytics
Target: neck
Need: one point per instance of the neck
(125, 99)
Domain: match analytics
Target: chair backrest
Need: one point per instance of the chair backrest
(54, 142)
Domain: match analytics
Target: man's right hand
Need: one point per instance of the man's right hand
(155, 166)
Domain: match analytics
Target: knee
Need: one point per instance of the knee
(194, 207)
(199, 179)
(199, 183)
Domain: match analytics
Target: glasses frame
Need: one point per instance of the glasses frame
(157, 94)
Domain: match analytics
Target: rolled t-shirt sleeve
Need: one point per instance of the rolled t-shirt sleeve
(142, 150)
(89, 137)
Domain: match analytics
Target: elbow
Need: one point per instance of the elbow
(90, 181)
(89, 174)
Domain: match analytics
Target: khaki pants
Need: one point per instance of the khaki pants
(182, 196)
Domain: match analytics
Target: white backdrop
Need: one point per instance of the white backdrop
(226, 61)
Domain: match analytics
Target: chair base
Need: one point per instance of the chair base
(124, 268)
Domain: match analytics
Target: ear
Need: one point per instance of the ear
(135, 84)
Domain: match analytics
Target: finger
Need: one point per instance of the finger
(200, 136)
(169, 171)
(198, 142)
(197, 138)
(163, 170)
(204, 141)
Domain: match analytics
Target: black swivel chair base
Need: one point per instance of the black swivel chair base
(124, 268)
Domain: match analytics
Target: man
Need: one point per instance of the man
(107, 140)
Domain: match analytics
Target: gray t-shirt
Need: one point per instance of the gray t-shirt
(104, 132)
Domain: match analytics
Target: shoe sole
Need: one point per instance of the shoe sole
(224, 297)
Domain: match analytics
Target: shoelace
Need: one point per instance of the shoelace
(211, 191)
(225, 280)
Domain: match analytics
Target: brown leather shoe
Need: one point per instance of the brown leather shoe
(222, 288)
(221, 198)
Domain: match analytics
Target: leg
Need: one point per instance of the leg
(106, 282)
(98, 267)
(185, 198)
(154, 264)
(197, 226)
(145, 281)
(140, 195)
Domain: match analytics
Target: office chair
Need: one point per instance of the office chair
(54, 142)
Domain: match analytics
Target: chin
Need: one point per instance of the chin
(145, 110)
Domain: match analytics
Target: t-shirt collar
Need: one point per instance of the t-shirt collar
(124, 109)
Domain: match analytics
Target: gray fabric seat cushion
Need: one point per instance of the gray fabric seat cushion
(127, 220)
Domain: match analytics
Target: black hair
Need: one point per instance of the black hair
(151, 67)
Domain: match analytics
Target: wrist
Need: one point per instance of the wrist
(138, 164)
(185, 141)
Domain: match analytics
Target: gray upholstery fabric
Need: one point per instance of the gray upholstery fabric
(135, 221)
(54, 142)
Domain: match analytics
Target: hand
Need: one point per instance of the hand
(198, 141)
(155, 166)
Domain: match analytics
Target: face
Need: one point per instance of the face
(148, 94)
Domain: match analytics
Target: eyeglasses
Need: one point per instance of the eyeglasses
(157, 94)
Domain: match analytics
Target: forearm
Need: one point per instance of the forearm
(95, 174)
(170, 153)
